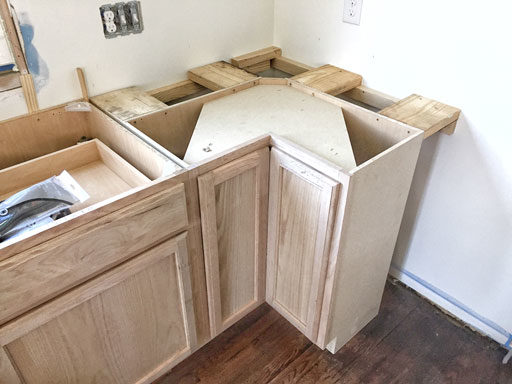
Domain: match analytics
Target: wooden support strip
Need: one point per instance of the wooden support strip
(9, 80)
(290, 66)
(420, 112)
(330, 79)
(83, 84)
(256, 57)
(257, 68)
(175, 91)
(12, 36)
(219, 75)
(371, 97)
(30, 93)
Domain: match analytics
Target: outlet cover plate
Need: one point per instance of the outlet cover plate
(352, 11)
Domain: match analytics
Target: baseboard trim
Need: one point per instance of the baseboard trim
(452, 305)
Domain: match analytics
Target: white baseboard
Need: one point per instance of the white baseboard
(453, 306)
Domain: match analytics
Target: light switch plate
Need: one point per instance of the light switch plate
(352, 11)
(121, 19)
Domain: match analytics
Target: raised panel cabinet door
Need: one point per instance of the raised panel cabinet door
(234, 201)
(129, 325)
(302, 206)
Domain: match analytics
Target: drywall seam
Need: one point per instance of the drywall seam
(455, 307)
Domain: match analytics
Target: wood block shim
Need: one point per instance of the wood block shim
(423, 113)
(330, 79)
(219, 75)
(256, 57)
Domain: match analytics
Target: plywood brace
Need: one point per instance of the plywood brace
(219, 75)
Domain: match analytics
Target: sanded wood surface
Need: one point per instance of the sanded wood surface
(423, 113)
(329, 79)
(234, 220)
(408, 342)
(219, 75)
(256, 57)
(302, 204)
(146, 300)
(316, 125)
(127, 103)
(40, 273)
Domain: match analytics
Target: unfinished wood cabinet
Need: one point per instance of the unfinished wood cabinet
(302, 208)
(129, 325)
(233, 200)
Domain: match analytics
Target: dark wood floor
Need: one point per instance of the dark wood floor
(409, 342)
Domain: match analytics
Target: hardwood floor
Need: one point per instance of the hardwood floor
(409, 342)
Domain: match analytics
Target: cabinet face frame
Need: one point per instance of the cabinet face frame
(259, 162)
(329, 194)
(175, 249)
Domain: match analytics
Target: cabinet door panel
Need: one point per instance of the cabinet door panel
(126, 326)
(301, 214)
(233, 202)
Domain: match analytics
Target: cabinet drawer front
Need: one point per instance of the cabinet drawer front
(233, 201)
(128, 325)
(40, 273)
(302, 205)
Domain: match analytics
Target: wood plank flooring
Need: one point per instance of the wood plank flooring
(409, 342)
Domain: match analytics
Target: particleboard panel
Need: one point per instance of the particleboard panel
(316, 125)
(219, 75)
(329, 79)
(374, 207)
(128, 103)
(423, 113)
(256, 57)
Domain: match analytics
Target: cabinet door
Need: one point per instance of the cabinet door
(234, 201)
(129, 325)
(302, 206)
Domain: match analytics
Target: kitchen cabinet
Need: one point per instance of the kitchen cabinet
(302, 209)
(233, 200)
(128, 325)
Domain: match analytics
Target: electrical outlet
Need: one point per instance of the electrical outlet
(352, 11)
(121, 19)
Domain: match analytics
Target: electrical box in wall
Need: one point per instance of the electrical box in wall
(121, 19)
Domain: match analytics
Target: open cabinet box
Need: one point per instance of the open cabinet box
(370, 134)
(106, 159)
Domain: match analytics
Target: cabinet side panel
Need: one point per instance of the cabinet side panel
(373, 213)
(299, 217)
(235, 201)
(117, 336)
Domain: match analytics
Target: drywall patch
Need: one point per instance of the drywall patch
(35, 63)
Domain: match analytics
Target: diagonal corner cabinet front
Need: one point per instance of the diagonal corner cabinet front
(160, 267)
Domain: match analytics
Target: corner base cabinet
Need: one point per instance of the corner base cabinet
(129, 325)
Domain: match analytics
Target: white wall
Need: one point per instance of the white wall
(177, 36)
(455, 244)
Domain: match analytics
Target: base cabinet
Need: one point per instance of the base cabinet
(129, 325)
(302, 208)
(233, 200)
